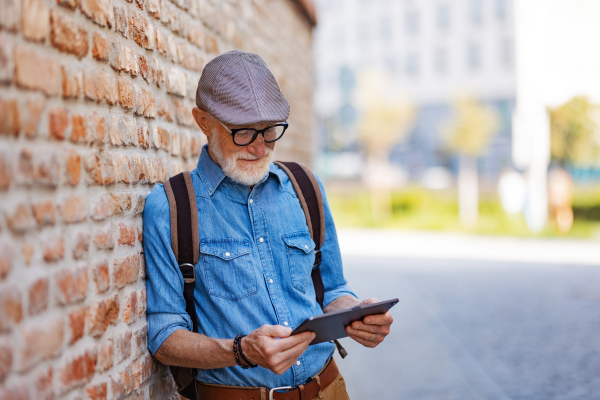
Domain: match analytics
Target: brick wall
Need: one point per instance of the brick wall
(95, 108)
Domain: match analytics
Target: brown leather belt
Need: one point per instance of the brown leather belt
(303, 392)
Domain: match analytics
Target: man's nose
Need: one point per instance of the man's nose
(257, 147)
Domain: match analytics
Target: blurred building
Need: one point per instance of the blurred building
(435, 50)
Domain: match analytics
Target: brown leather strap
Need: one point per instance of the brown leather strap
(304, 392)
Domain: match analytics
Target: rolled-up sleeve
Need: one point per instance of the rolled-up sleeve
(332, 271)
(164, 284)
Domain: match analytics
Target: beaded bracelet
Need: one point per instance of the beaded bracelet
(237, 351)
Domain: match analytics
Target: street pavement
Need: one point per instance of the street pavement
(469, 328)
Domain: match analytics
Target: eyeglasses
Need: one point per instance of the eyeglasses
(245, 136)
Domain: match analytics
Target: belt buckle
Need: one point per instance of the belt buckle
(278, 388)
(193, 278)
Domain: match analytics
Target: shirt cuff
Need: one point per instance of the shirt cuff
(162, 325)
(339, 291)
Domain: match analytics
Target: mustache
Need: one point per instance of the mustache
(251, 157)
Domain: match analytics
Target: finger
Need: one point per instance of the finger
(284, 344)
(376, 329)
(276, 331)
(370, 300)
(364, 342)
(379, 319)
(366, 336)
(287, 358)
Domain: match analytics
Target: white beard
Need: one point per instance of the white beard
(248, 174)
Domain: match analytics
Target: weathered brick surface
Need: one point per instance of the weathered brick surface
(95, 108)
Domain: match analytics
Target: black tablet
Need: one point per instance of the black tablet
(333, 325)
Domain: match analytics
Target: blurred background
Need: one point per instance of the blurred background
(459, 145)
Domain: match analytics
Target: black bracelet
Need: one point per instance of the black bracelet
(242, 353)
(237, 351)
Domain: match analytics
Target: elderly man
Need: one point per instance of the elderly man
(249, 211)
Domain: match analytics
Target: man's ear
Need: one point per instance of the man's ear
(202, 120)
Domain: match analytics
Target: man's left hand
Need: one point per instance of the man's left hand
(373, 329)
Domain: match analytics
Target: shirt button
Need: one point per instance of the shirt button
(285, 323)
(305, 246)
(297, 362)
(261, 240)
(251, 201)
(270, 280)
(227, 254)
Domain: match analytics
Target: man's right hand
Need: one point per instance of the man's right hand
(272, 347)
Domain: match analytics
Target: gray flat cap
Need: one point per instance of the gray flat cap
(239, 89)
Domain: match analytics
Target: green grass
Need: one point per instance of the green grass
(420, 209)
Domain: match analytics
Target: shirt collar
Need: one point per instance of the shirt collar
(212, 175)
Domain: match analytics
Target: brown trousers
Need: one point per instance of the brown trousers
(335, 391)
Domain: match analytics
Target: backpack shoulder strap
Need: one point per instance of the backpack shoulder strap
(311, 199)
(184, 234)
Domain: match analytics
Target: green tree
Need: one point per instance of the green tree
(468, 133)
(573, 132)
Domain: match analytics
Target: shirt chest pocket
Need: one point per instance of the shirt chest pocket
(227, 268)
(300, 257)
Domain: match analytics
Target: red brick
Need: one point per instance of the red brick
(99, 11)
(6, 360)
(143, 135)
(53, 248)
(159, 75)
(105, 355)
(35, 20)
(103, 239)
(122, 346)
(28, 74)
(196, 146)
(140, 342)
(41, 340)
(122, 58)
(141, 31)
(119, 202)
(33, 108)
(5, 172)
(100, 49)
(19, 220)
(79, 132)
(100, 209)
(11, 308)
(15, 391)
(77, 324)
(28, 250)
(142, 370)
(189, 57)
(66, 36)
(183, 112)
(102, 277)
(82, 244)
(121, 384)
(58, 122)
(161, 138)
(71, 4)
(6, 58)
(38, 296)
(130, 308)
(127, 270)
(73, 172)
(97, 392)
(124, 168)
(26, 167)
(47, 171)
(144, 102)
(78, 370)
(44, 213)
(99, 85)
(161, 42)
(72, 285)
(146, 70)
(142, 301)
(10, 17)
(71, 81)
(154, 8)
(74, 209)
(97, 126)
(6, 260)
(196, 35)
(125, 92)
(123, 130)
(165, 110)
(44, 387)
(176, 82)
(10, 123)
(101, 169)
(102, 314)
(121, 21)
(126, 234)
(171, 17)
(175, 144)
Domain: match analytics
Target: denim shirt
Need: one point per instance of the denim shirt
(256, 256)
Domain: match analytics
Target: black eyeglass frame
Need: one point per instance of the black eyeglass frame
(256, 132)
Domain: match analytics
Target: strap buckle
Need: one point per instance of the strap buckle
(189, 272)
(278, 388)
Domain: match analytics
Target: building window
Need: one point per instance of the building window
(476, 11)
(474, 56)
(501, 10)
(412, 64)
(442, 16)
(411, 21)
(440, 60)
